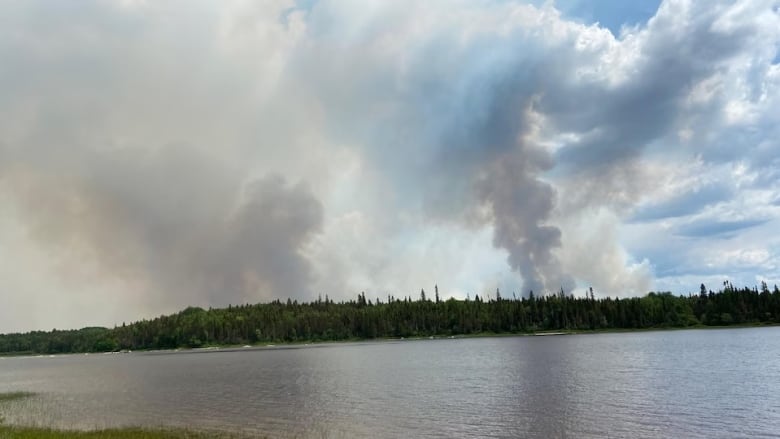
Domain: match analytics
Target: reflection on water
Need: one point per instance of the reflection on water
(712, 383)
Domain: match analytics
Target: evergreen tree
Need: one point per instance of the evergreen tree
(291, 320)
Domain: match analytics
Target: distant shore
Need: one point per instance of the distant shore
(325, 321)
(323, 343)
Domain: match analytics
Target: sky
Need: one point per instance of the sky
(161, 154)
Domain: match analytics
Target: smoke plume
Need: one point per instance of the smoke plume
(286, 149)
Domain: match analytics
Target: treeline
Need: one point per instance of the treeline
(325, 319)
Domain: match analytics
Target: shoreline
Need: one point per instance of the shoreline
(356, 341)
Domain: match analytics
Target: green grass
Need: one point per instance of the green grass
(11, 396)
(119, 433)
(12, 431)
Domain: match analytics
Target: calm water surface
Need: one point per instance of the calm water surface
(670, 384)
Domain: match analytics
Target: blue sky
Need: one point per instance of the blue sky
(167, 154)
(611, 14)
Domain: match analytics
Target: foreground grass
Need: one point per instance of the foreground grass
(11, 431)
(11, 396)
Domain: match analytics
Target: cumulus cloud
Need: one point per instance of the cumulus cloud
(202, 153)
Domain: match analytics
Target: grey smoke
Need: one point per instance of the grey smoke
(448, 126)
(201, 166)
(451, 125)
(173, 221)
(521, 206)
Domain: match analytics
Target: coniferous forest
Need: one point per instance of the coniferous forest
(423, 316)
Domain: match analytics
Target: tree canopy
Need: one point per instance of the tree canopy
(323, 320)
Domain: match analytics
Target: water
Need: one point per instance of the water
(670, 384)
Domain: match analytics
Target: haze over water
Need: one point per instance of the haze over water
(697, 383)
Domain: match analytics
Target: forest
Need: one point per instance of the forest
(423, 316)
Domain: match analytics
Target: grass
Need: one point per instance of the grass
(12, 396)
(21, 432)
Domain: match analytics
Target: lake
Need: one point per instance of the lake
(670, 384)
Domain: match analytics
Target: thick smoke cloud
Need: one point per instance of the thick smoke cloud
(451, 125)
(284, 149)
(172, 222)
